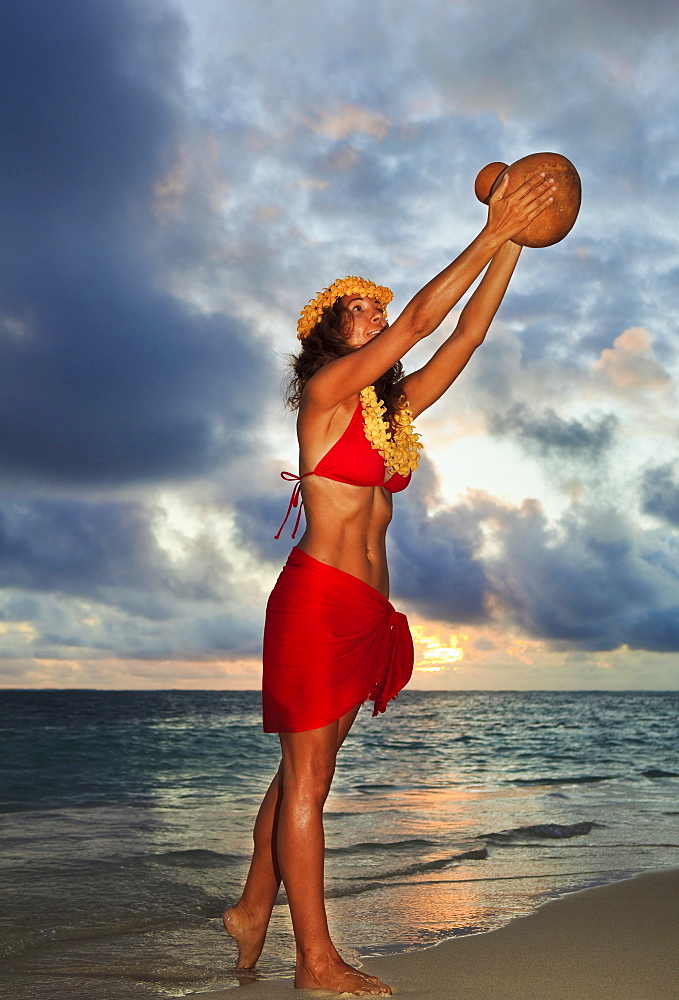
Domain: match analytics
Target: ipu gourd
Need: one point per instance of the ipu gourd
(558, 219)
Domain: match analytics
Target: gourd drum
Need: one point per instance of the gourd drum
(558, 219)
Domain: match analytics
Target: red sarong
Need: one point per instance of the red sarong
(331, 642)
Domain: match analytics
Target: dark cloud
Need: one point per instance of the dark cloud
(521, 397)
(549, 433)
(104, 377)
(435, 560)
(585, 581)
(75, 547)
(660, 493)
(591, 581)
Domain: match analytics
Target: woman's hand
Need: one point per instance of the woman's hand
(509, 214)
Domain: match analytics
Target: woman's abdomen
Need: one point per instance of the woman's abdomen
(346, 527)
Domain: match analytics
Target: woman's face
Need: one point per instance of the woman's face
(367, 319)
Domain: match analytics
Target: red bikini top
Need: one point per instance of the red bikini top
(351, 460)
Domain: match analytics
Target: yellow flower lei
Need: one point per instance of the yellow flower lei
(399, 448)
(351, 285)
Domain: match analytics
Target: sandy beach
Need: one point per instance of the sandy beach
(616, 942)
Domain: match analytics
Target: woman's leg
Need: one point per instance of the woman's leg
(307, 769)
(248, 919)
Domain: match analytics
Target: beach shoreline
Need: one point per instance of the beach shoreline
(615, 942)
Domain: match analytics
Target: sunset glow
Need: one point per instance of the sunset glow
(432, 654)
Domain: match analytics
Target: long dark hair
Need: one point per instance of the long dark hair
(327, 341)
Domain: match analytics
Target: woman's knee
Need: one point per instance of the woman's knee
(310, 776)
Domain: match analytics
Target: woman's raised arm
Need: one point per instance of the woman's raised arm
(428, 384)
(507, 216)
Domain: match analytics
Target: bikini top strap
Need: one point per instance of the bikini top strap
(295, 500)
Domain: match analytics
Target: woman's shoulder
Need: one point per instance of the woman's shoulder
(313, 412)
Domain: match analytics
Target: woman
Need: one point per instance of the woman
(332, 639)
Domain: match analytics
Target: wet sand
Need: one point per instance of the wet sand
(617, 942)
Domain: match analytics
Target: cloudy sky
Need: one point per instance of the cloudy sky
(178, 177)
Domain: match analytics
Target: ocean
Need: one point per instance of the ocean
(126, 823)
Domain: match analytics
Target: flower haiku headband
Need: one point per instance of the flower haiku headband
(351, 285)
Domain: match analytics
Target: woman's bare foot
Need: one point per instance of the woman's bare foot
(248, 935)
(338, 977)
